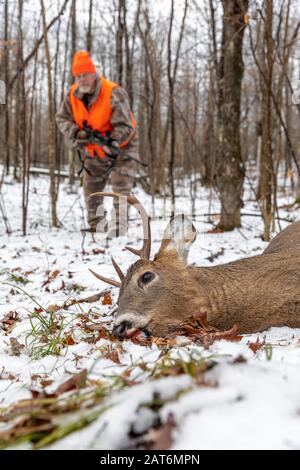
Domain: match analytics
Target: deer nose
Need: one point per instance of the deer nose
(121, 329)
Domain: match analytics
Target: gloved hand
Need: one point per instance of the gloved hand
(106, 150)
(80, 138)
(80, 135)
(109, 151)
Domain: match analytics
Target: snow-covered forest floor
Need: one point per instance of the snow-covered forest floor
(66, 383)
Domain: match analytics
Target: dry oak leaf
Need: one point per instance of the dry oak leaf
(53, 308)
(161, 438)
(197, 328)
(107, 299)
(98, 251)
(54, 274)
(77, 381)
(69, 340)
(16, 347)
(111, 355)
(256, 346)
(9, 320)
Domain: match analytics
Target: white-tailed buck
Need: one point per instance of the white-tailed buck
(157, 295)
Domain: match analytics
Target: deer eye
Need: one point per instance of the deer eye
(146, 278)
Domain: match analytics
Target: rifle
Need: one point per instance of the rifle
(95, 137)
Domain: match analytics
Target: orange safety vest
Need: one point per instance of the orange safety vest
(98, 116)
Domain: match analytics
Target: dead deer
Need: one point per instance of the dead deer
(255, 293)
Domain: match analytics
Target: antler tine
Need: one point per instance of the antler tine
(112, 282)
(133, 250)
(143, 252)
(118, 269)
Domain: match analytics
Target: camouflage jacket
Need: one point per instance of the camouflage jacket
(120, 119)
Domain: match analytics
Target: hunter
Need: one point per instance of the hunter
(102, 106)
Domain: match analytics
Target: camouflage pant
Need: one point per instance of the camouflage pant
(122, 178)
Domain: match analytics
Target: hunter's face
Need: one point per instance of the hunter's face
(86, 82)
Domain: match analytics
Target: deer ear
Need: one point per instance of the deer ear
(178, 236)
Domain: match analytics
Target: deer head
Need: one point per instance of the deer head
(254, 293)
(156, 294)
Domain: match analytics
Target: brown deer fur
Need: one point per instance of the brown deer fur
(255, 293)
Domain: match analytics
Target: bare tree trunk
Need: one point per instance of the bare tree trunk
(6, 80)
(22, 145)
(208, 153)
(36, 46)
(38, 135)
(230, 172)
(172, 81)
(71, 154)
(131, 53)
(55, 90)
(64, 153)
(51, 127)
(284, 14)
(26, 170)
(210, 133)
(119, 43)
(266, 162)
(171, 110)
(152, 98)
(20, 110)
(129, 63)
(89, 35)
(288, 158)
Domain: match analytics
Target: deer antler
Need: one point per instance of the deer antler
(106, 279)
(111, 281)
(118, 269)
(143, 252)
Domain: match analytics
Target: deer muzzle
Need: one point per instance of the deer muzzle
(124, 330)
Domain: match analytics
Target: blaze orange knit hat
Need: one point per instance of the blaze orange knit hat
(82, 63)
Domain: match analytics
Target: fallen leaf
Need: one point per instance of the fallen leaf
(69, 340)
(256, 346)
(36, 394)
(54, 274)
(38, 310)
(103, 334)
(16, 347)
(163, 342)
(46, 383)
(53, 308)
(77, 381)
(111, 355)
(36, 376)
(9, 320)
(161, 438)
(197, 328)
(107, 299)
(98, 251)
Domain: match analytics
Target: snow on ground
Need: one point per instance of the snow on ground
(243, 399)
